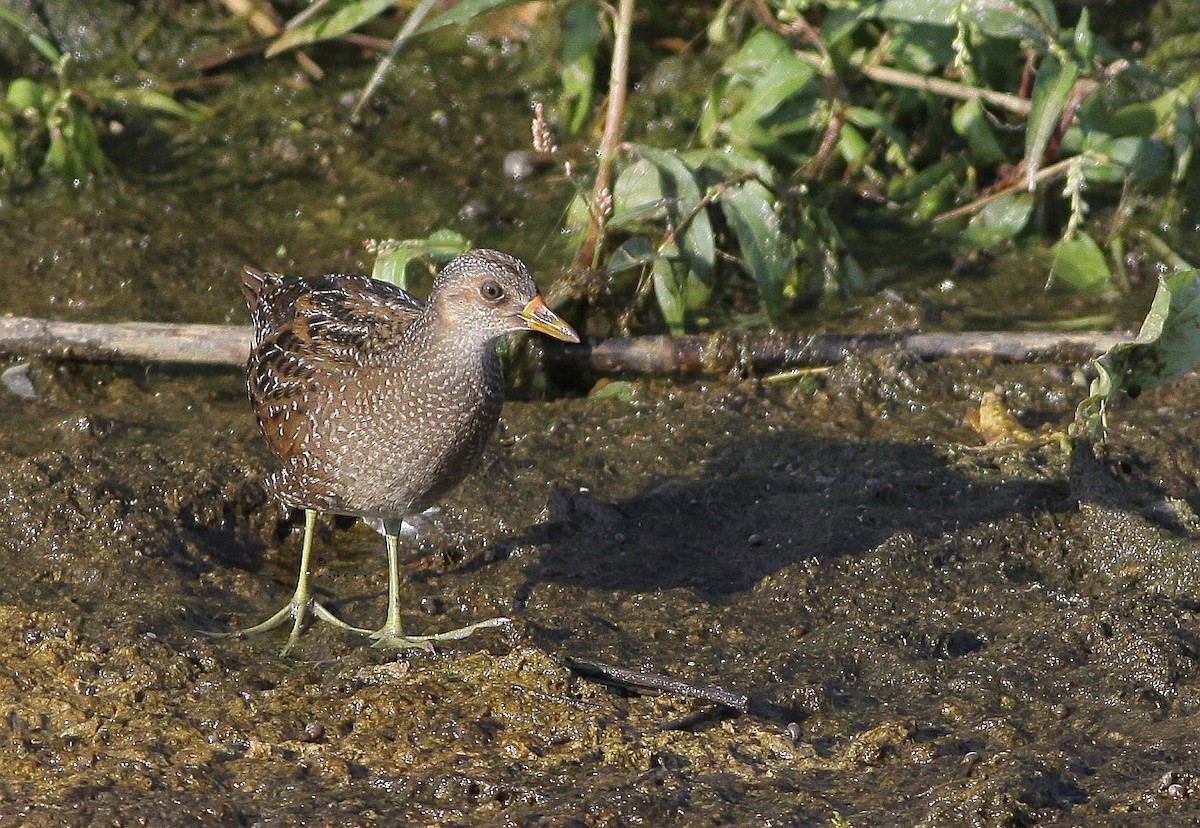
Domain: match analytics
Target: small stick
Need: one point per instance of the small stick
(656, 682)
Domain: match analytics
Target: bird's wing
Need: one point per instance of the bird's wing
(309, 334)
(343, 316)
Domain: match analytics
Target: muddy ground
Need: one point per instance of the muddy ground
(931, 630)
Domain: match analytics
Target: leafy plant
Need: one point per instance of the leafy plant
(1166, 347)
(393, 257)
(47, 126)
(958, 114)
(989, 121)
(48, 129)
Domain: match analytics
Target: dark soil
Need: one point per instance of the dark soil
(930, 630)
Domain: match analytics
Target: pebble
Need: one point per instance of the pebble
(519, 165)
(16, 380)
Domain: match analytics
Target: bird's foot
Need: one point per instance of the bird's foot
(390, 636)
(296, 609)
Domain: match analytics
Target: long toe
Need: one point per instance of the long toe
(275, 621)
(296, 612)
(328, 617)
(388, 639)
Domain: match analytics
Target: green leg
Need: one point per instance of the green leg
(301, 602)
(392, 635)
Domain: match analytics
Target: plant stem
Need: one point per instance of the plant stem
(1042, 175)
(950, 89)
(599, 203)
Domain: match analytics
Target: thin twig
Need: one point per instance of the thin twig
(658, 683)
(414, 19)
(1044, 174)
(947, 88)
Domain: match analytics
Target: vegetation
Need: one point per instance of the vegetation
(988, 122)
(47, 124)
(979, 124)
(1166, 348)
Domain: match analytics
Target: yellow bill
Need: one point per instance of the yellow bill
(537, 316)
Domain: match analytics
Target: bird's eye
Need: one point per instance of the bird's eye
(491, 290)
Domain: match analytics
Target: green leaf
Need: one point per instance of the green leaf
(1143, 159)
(620, 390)
(903, 189)
(633, 253)
(9, 151)
(971, 122)
(767, 255)
(1051, 92)
(760, 51)
(43, 46)
(678, 291)
(349, 17)
(1079, 264)
(1046, 11)
(763, 93)
(24, 93)
(999, 221)
(443, 245)
(391, 265)
(1183, 129)
(1006, 19)
(728, 162)
(1168, 344)
(638, 195)
(870, 119)
(465, 11)
(710, 115)
(162, 103)
(765, 73)
(688, 218)
(1082, 40)
(781, 79)
(1166, 347)
(668, 290)
(939, 12)
(581, 36)
(393, 256)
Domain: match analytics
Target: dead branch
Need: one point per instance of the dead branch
(665, 355)
(761, 353)
(125, 341)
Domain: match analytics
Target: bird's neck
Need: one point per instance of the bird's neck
(445, 343)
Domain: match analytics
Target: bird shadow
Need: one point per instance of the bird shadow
(760, 505)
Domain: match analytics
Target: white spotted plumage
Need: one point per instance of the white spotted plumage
(377, 403)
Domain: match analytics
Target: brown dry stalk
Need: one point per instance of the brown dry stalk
(711, 354)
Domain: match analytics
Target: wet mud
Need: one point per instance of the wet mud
(930, 630)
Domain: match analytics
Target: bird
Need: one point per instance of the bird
(377, 404)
